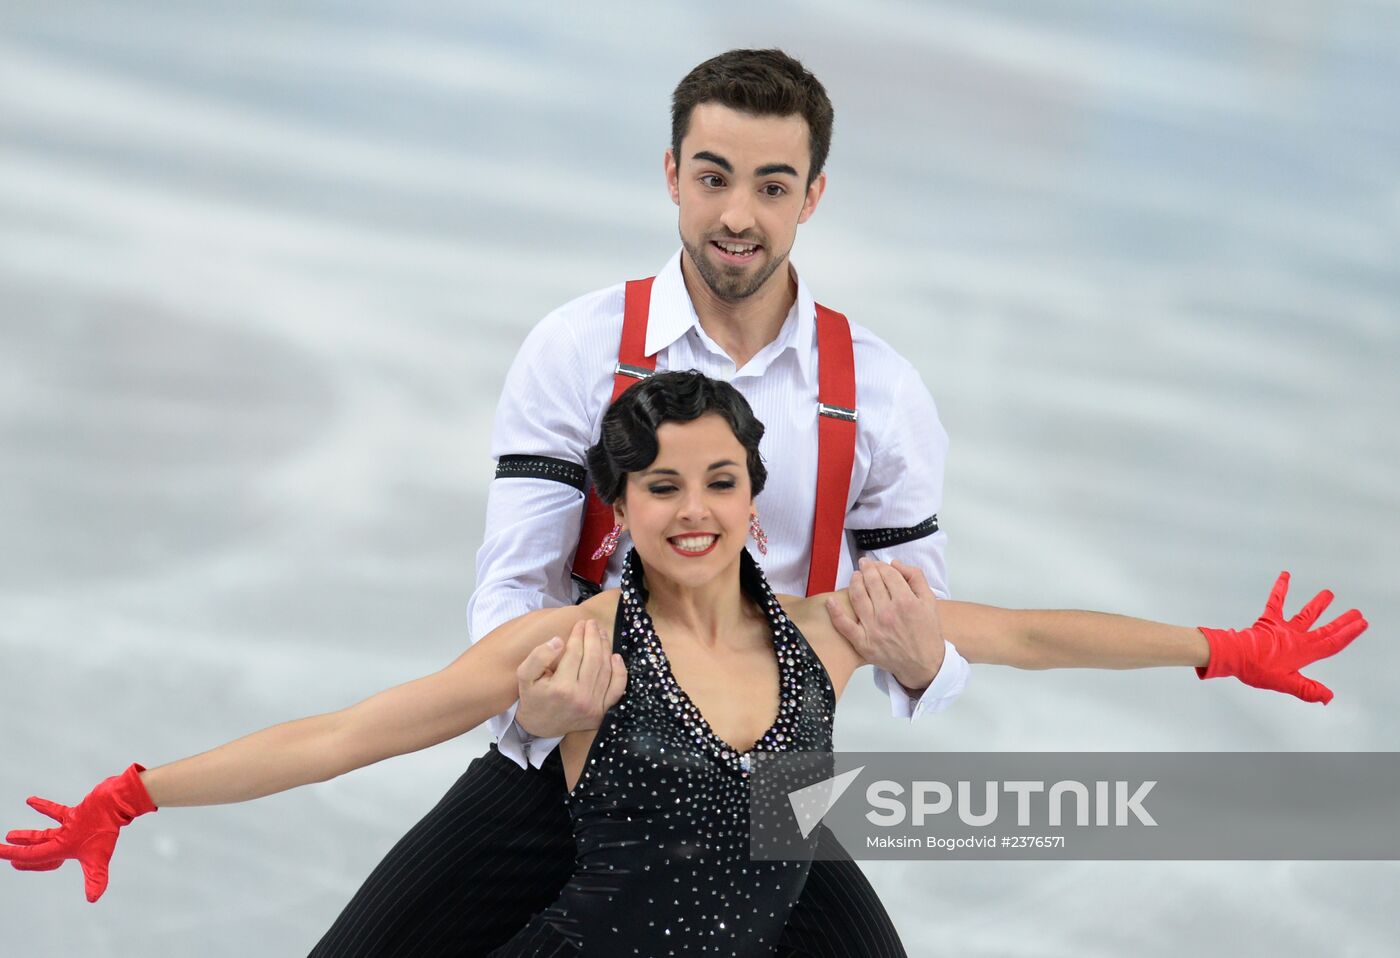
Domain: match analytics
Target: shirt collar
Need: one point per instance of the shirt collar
(672, 315)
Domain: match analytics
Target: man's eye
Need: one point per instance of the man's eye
(712, 180)
(773, 189)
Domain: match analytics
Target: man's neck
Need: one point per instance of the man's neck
(741, 327)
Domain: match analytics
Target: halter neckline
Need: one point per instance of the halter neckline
(781, 632)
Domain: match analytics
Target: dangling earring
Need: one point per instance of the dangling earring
(760, 538)
(609, 544)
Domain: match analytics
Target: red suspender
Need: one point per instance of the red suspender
(836, 445)
(836, 439)
(633, 365)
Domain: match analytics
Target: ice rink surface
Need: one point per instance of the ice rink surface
(263, 268)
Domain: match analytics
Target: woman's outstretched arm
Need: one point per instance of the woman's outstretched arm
(480, 683)
(1068, 639)
(402, 719)
(1267, 655)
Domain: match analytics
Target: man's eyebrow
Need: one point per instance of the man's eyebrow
(768, 169)
(771, 168)
(705, 156)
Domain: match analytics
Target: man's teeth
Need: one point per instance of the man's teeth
(737, 247)
(694, 543)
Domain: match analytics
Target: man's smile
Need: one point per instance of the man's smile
(734, 252)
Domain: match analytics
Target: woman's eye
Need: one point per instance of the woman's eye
(723, 484)
(660, 490)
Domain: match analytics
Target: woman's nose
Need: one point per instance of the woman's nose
(694, 506)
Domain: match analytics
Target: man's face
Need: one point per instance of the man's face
(740, 183)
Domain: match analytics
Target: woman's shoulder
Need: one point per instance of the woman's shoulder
(813, 620)
(602, 607)
(810, 612)
(810, 615)
(801, 609)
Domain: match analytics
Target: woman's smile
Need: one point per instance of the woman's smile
(693, 545)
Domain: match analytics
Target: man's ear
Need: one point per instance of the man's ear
(813, 197)
(673, 177)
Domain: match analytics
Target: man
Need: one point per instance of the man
(750, 135)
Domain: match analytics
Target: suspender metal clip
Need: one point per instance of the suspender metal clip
(636, 372)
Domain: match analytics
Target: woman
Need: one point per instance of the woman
(715, 668)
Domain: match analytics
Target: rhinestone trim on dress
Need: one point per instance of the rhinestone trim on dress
(661, 808)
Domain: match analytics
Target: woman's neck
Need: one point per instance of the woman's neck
(712, 612)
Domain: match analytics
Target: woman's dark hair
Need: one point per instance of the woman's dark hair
(628, 440)
(761, 82)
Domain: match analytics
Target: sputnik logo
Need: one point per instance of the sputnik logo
(811, 802)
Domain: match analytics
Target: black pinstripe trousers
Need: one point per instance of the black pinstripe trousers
(498, 848)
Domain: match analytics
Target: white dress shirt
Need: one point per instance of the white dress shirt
(553, 403)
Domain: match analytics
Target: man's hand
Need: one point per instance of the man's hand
(569, 686)
(896, 625)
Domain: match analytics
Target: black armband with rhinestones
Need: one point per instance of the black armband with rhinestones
(586, 589)
(542, 467)
(867, 539)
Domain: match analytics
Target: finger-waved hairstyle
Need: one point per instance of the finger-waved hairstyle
(628, 439)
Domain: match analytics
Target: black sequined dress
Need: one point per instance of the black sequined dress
(661, 808)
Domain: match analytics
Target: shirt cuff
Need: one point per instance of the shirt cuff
(518, 745)
(946, 686)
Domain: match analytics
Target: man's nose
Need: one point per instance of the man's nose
(738, 214)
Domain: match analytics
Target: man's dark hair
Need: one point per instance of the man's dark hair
(628, 440)
(761, 82)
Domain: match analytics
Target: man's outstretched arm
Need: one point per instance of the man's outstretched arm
(895, 517)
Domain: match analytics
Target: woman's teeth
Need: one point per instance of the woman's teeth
(694, 543)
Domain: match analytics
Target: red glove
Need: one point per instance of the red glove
(1269, 654)
(87, 832)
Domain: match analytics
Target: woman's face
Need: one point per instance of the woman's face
(688, 512)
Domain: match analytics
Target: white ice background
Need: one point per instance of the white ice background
(263, 266)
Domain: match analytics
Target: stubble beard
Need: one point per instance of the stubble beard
(727, 286)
